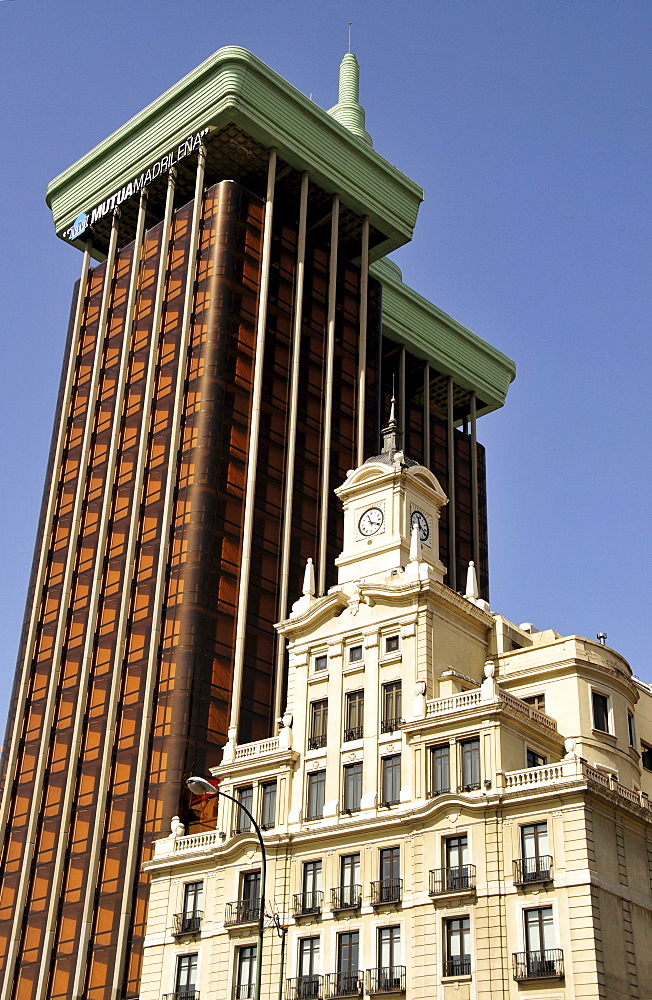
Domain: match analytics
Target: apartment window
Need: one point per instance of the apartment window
(536, 701)
(318, 724)
(349, 879)
(186, 979)
(457, 937)
(320, 662)
(535, 851)
(250, 892)
(391, 779)
(630, 729)
(456, 851)
(646, 756)
(352, 787)
(391, 644)
(246, 973)
(311, 901)
(600, 704)
(391, 706)
(308, 985)
(535, 759)
(470, 764)
(390, 863)
(348, 952)
(355, 654)
(540, 957)
(316, 789)
(268, 809)
(246, 798)
(193, 896)
(354, 721)
(389, 959)
(440, 781)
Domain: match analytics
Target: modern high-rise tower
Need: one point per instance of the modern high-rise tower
(233, 341)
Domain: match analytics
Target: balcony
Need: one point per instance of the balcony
(390, 725)
(305, 988)
(538, 964)
(308, 904)
(346, 897)
(187, 923)
(243, 911)
(245, 991)
(390, 979)
(386, 890)
(317, 742)
(353, 734)
(461, 879)
(528, 871)
(342, 984)
(187, 993)
(460, 966)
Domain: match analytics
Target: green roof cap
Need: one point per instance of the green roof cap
(233, 86)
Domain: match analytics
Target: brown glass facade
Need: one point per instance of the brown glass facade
(125, 681)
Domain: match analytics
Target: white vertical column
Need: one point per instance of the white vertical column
(328, 398)
(291, 443)
(42, 565)
(68, 577)
(91, 626)
(475, 514)
(252, 459)
(124, 918)
(426, 415)
(362, 356)
(450, 447)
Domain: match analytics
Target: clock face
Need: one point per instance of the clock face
(371, 521)
(421, 522)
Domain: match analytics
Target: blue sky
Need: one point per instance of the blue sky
(527, 122)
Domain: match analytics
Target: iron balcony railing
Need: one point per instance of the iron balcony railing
(539, 964)
(187, 923)
(317, 742)
(187, 993)
(432, 793)
(306, 903)
(353, 734)
(386, 890)
(460, 966)
(390, 725)
(346, 897)
(528, 870)
(460, 879)
(305, 988)
(245, 991)
(472, 786)
(242, 911)
(342, 984)
(389, 979)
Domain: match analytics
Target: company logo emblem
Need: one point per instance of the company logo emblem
(79, 226)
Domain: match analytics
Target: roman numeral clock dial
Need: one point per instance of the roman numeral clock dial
(421, 522)
(371, 521)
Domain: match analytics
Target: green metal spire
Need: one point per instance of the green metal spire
(348, 111)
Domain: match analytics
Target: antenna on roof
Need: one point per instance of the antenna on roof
(350, 25)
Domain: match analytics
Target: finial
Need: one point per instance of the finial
(391, 434)
(471, 582)
(309, 579)
(348, 111)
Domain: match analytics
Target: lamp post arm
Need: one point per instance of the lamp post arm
(263, 881)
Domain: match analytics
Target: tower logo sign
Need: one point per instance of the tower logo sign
(87, 219)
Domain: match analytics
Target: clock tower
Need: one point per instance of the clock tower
(391, 516)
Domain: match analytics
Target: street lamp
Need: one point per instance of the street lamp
(200, 786)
